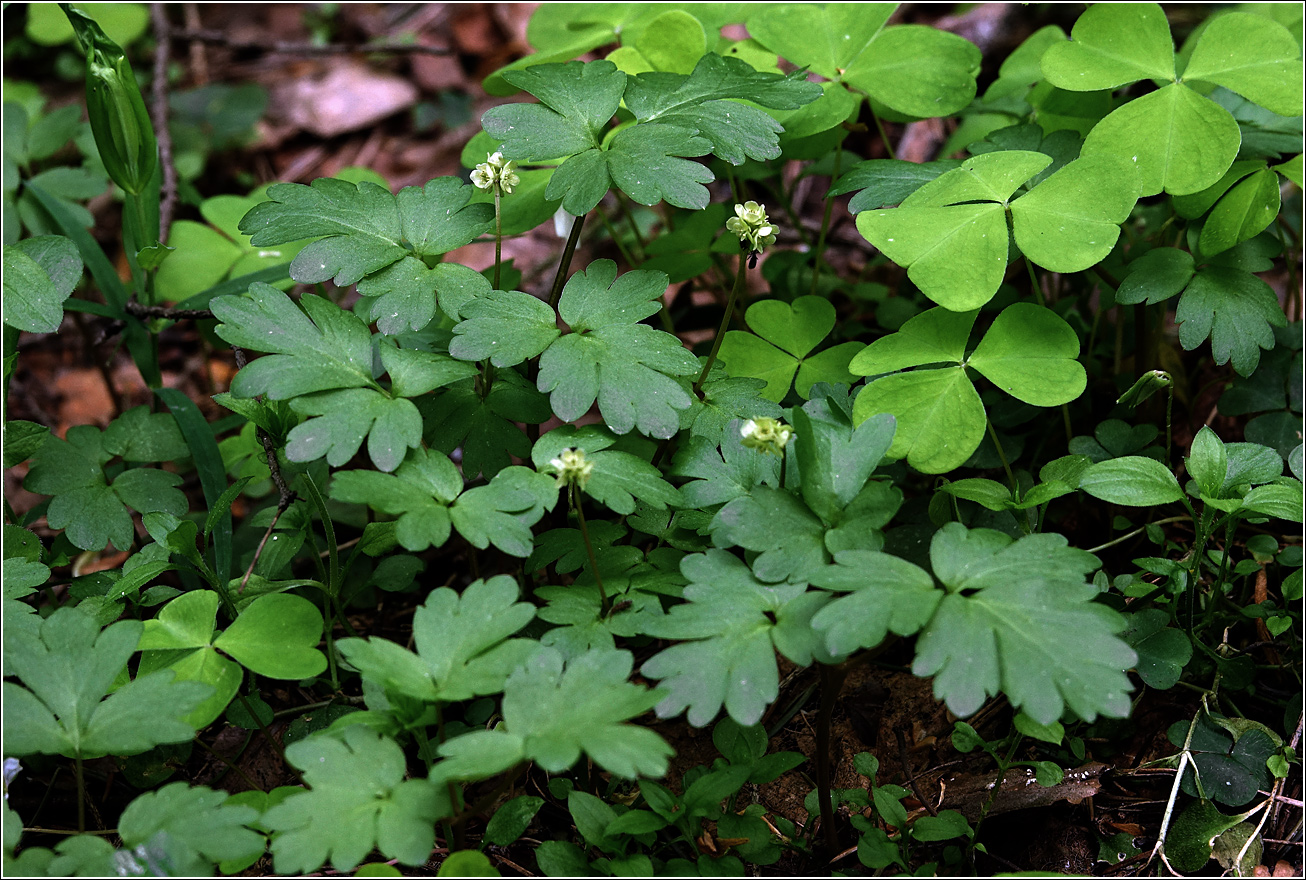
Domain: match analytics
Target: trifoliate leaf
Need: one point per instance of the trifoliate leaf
(503, 512)
(733, 624)
(418, 493)
(724, 400)
(484, 427)
(1028, 629)
(698, 101)
(576, 101)
(198, 818)
(318, 349)
(561, 712)
(1236, 310)
(1030, 353)
(88, 509)
(357, 800)
(504, 326)
(885, 594)
(627, 366)
(361, 222)
(786, 335)
(724, 475)
(646, 162)
(462, 642)
(341, 419)
(66, 668)
(618, 477)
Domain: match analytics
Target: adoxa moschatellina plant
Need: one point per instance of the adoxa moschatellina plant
(719, 509)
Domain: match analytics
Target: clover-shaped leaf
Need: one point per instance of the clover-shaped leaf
(1028, 352)
(1180, 140)
(785, 336)
(275, 636)
(951, 233)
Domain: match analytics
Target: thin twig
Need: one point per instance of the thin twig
(287, 47)
(159, 114)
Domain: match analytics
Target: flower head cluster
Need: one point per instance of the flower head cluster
(572, 468)
(750, 223)
(496, 173)
(766, 435)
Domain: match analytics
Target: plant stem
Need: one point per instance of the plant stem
(725, 321)
(1139, 530)
(832, 679)
(81, 796)
(884, 138)
(825, 221)
(1033, 282)
(498, 235)
(565, 263)
(1011, 478)
(604, 604)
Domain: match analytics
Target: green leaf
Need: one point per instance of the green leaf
(1189, 844)
(934, 336)
(1208, 463)
(511, 820)
(463, 645)
(418, 493)
(627, 366)
(503, 512)
(361, 223)
(1163, 651)
(341, 419)
(701, 102)
(1030, 352)
(1019, 618)
(504, 326)
(467, 863)
(730, 625)
(276, 636)
(356, 783)
(318, 349)
(646, 163)
(484, 428)
(1052, 732)
(1244, 211)
(197, 818)
(885, 182)
(673, 41)
(1252, 56)
(1237, 310)
(67, 667)
(576, 101)
(837, 459)
(789, 537)
(21, 440)
(1156, 276)
(437, 218)
(1111, 46)
(561, 712)
(139, 435)
(1132, 480)
(618, 477)
(722, 475)
(790, 332)
(725, 400)
(1180, 141)
(885, 594)
(39, 274)
(1071, 220)
(940, 418)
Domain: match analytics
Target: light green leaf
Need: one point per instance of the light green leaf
(940, 418)
(39, 274)
(1253, 56)
(1071, 220)
(1112, 45)
(1247, 208)
(917, 71)
(317, 349)
(932, 337)
(276, 636)
(357, 783)
(1132, 480)
(1030, 352)
(561, 711)
(203, 821)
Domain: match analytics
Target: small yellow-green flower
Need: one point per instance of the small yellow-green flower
(496, 172)
(572, 468)
(750, 223)
(766, 435)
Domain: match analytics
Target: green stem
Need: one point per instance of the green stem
(498, 235)
(604, 604)
(1011, 478)
(1033, 282)
(1137, 531)
(884, 138)
(565, 264)
(725, 320)
(825, 220)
